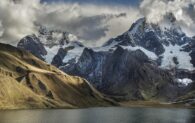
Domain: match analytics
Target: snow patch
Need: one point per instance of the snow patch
(57, 36)
(51, 52)
(183, 58)
(107, 47)
(150, 54)
(73, 54)
(184, 81)
(43, 39)
(72, 37)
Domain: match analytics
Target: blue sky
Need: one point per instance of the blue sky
(105, 2)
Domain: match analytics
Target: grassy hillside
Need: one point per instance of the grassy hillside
(27, 82)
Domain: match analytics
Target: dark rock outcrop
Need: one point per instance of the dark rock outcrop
(32, 44)
(58, 59)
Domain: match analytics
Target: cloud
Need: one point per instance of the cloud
(95, 23)
(184, 11)
(17, 18)
(90, 22)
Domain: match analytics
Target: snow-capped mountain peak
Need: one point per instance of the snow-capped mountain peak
(51, 43)
(55, 37)
(138, 25)
(166, 40)
(147, 54)
(164, 43)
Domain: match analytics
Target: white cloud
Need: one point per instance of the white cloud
(1, 29)
(90, 22)
(17, 19)
(184, 11)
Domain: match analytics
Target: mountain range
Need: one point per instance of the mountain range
(149, 62)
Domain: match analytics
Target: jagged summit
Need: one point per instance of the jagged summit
(48, 43)
(33, 44)
(139, 24)
(55, 37)
(167, 41)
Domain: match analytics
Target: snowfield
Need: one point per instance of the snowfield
(184, 81)
(150, 54)
(183, 58)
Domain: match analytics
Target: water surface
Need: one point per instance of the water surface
(100, 115)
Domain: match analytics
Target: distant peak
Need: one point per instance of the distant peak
(135, 26)
(53, 37)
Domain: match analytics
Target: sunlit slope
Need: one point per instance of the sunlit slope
(27, 82)
(14, 95)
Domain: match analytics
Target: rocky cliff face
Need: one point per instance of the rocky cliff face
(123, 75)
(33, 44)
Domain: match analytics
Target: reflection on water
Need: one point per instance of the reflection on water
(100, 115)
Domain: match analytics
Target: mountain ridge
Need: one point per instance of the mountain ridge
(165, 52)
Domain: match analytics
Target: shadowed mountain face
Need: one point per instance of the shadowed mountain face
(148, 62)
(27, 82)
(122, 74)
(33, 45)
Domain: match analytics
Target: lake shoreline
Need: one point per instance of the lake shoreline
(127, 104)
(152, 104)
